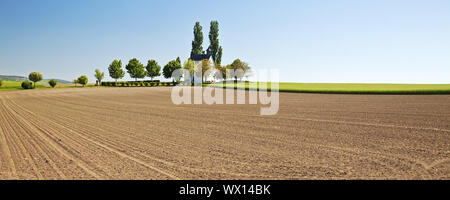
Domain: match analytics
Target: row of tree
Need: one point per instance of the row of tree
(37, 76)
(137, 70)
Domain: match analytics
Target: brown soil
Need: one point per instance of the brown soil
(137, 133)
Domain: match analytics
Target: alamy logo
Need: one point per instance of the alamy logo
(213, 93)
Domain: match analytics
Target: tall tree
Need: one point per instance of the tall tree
(99, 76)
(136, 69)
(216, 50)
(153, 69)
(197, 47)
(115, 70)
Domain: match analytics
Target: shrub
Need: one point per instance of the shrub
(27, 85)
(1, 83)
(52, 83)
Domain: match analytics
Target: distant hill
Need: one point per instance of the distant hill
(22, 78)
(57, 80)
(12, 78)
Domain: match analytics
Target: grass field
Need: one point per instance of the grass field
(356, 88)
(336, 88)
(16, 85)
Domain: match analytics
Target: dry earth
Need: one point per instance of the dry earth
(137, 133)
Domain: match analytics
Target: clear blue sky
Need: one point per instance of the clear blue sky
(385, 41)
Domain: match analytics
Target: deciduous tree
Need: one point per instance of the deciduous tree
(136, 69)
(238, 65)
(115, 70)
(99, 75)
(206, 65)
(170, 67)
(35, 77)
(153, 69)
(189, 65)
(83, 80)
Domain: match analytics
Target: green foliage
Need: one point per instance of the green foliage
(222, 70)
(198, 40)
(52, 83)
(1, 83)
(171, 67)
(83, 80)
(219, 56)
(136, 69)
(238, 64)
(115, 70)
(206, 65)
(99, 75)
(27, 85)
(153, 69)
(189, 65)
(216, 50)
(35, 77)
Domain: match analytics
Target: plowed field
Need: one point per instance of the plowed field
(137, 133)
